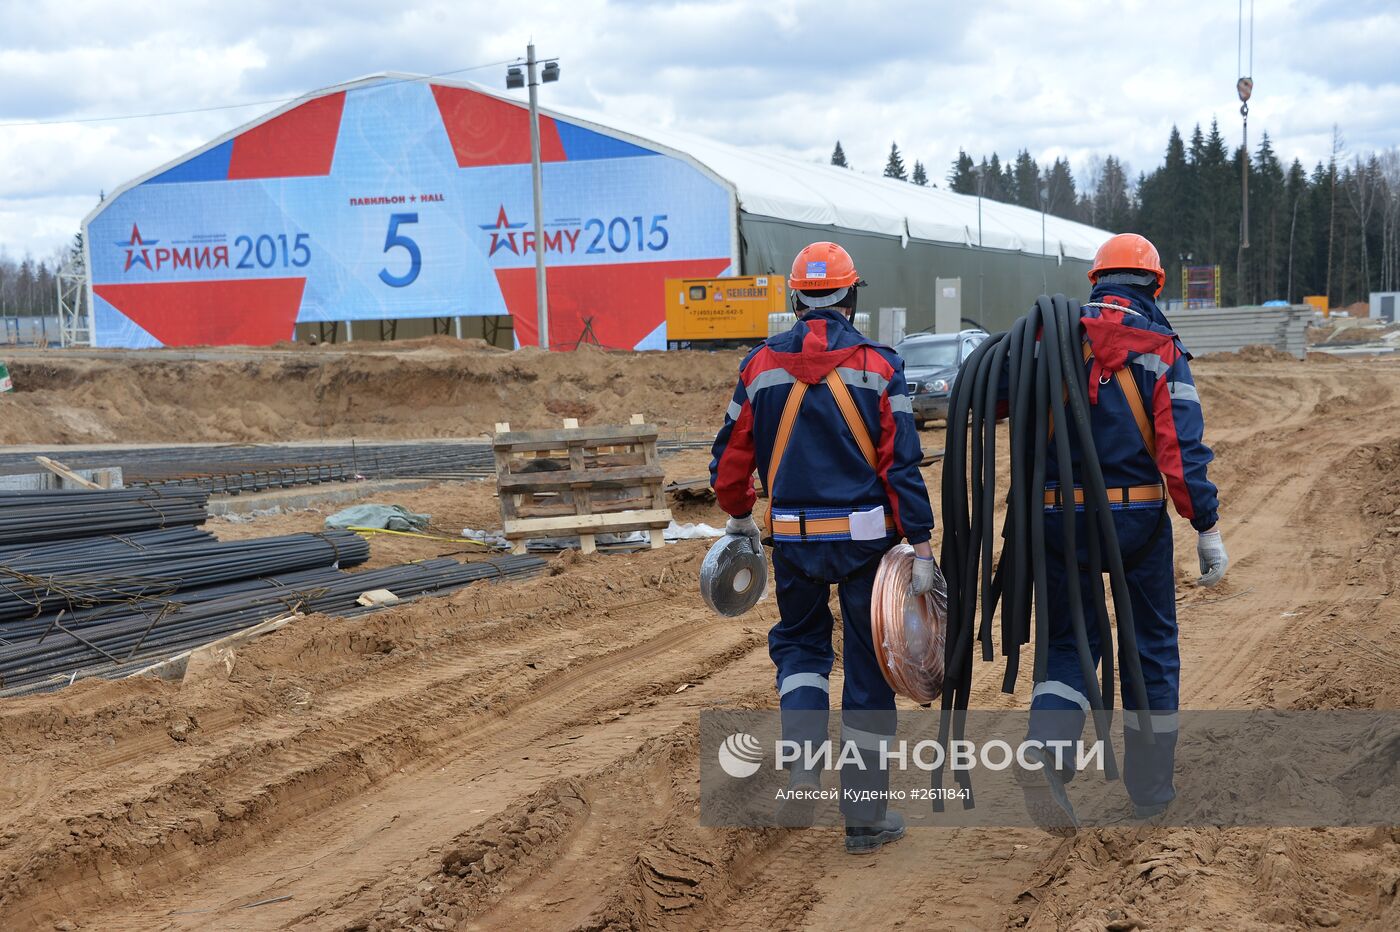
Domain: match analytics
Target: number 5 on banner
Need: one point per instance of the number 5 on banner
(395, 238)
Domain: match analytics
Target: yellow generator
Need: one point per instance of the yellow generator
(720, 313)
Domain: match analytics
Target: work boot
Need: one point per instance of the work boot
(800, 810)
(1150, 810)
(1047, 801)
(865, 839)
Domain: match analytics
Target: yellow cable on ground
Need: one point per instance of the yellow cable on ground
(371, 531)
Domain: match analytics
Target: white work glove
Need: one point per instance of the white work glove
(745, 527)
(922, 580)
(1211, 550)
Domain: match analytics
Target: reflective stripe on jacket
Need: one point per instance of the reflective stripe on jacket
(823, 466)
(1125, 330)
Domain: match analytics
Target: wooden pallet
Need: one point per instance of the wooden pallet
(580, 480)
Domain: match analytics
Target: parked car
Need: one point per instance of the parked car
(931, 362)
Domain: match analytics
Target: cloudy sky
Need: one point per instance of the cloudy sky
(1065, 78)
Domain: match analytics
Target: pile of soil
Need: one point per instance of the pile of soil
(434, 387)
(1262, 353)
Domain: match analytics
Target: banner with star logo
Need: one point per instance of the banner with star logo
(394, 199)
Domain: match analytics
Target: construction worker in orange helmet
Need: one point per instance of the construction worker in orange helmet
(842, 474)
(1148, 427)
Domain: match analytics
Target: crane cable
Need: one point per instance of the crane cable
(1244, 87)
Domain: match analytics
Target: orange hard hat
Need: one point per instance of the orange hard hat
(821, 266)
(1128, 251)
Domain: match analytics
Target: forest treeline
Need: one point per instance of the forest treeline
(1331, 229)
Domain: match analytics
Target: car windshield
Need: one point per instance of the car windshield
(930, 354)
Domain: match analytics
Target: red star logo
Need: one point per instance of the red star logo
(135, 250)
(497, 238)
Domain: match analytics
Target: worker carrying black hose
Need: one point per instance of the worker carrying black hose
(824, 415)
(1146, 423)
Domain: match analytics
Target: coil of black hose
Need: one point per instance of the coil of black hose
(1034, 377)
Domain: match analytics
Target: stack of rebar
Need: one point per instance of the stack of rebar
(27, 518)
(29, 587)
(115, 640)
(81, 597)
(229, 469)
(119, 543)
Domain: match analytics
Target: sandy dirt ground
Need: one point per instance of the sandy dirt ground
(523, 755)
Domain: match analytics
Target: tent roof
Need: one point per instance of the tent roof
(786, 188)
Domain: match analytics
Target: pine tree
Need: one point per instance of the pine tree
(987, 179)
(1163, 202)
(1025, 181)
(1114, 197)
(1269, 209)
(1245, 269)
(995, 186)
(76, 258)
(1198, 145)
(838, 156)
(920, 177)
(1062, 198)
(1296, 266)
(1215, 213)
(962, 179)
(1319, 207)
(1192, 218)
(894, 168)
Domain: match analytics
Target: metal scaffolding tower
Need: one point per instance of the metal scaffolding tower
(74, 318)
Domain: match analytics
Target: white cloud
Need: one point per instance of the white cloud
(1074, 78)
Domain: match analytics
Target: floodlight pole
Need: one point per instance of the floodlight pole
(541, 295)
(1293, 225)
(981, 171)
(1044, 256)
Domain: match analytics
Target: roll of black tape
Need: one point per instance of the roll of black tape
(734, 576)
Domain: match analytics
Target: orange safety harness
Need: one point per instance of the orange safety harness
(842, 395)
(1134, 494)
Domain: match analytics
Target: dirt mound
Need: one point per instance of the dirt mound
(434, 387)
(439, 387)
(1336, 404)
(1376, 468)
(436, 341)
(1210, 878)
(1252, 353)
